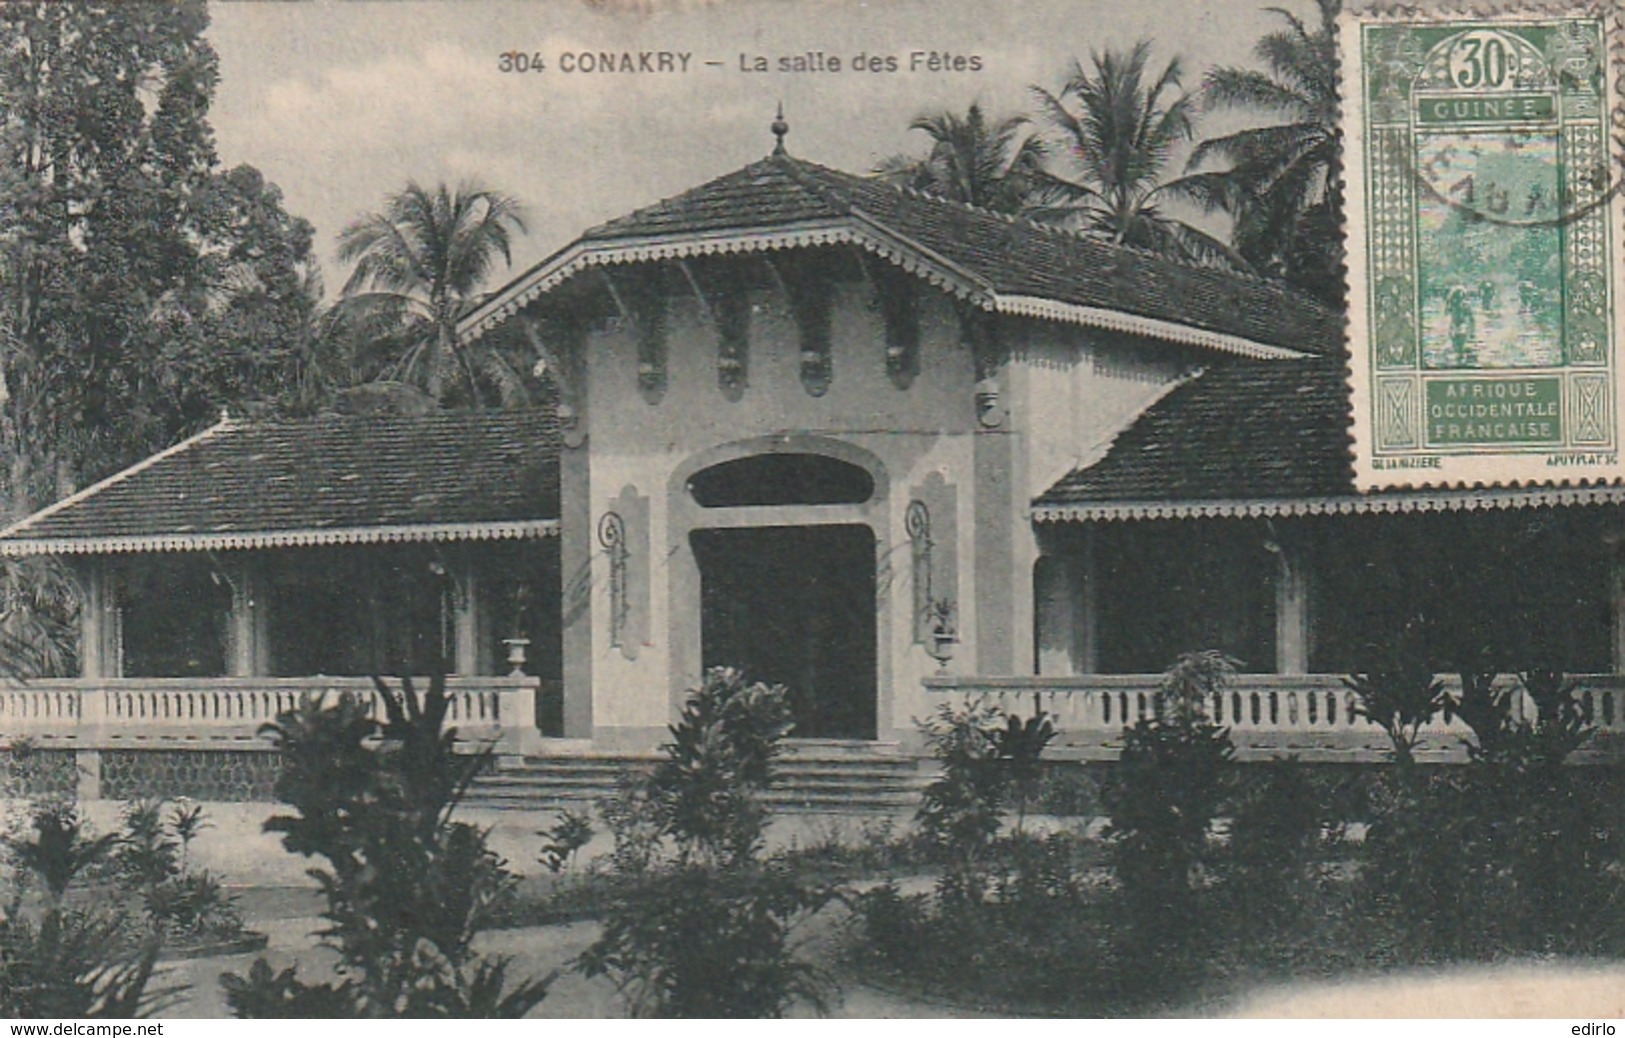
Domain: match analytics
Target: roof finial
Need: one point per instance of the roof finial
(780, 128)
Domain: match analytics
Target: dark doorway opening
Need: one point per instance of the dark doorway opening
(795, 605)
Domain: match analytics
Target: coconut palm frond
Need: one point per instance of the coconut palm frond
(1280, 171)
(419, 263)
(1249, 88)
(1116, 125)
(975, 160)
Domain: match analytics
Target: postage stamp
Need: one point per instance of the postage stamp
(1483, 164)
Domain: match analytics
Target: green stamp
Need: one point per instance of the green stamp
(1484, 236)
(1493, 411)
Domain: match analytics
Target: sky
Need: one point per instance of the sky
(341, 102)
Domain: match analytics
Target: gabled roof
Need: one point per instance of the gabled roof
(327, 480)
(1001, 264)
(1257, 438)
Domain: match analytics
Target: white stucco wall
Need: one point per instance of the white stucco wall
(1074, 389)
(911, 431)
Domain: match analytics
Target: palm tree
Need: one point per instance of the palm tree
(1118, 142)
(992, 165)
(1281, 184)
(419, 265)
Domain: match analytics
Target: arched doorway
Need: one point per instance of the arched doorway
(794, 606)
(787, 588)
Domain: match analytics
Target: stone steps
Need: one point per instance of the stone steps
(823, 778)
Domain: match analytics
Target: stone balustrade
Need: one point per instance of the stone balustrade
(92, 714)
(1311, 717)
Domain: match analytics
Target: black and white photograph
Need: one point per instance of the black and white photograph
(828, 509)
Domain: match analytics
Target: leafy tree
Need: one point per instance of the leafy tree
(419, 265)
(1281, 181)
(990, 164)
(408, 888)
(1400, 693)
(1117, 127)
(38, 602)
(141, 288)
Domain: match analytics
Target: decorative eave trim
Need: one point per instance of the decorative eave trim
(1154, 327)
(855, 230)
(908, 254)
(1381, 503)
(399, 534)
(22, 525)
(861, 230)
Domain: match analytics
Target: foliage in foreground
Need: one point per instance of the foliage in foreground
(1517, 852)
(1166, 790)
(408, 889)
(1215, 874)
(990, 762)
(61, 960)
(153, 860)
(703, 928)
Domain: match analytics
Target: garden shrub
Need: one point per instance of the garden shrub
(59, 960)
(1043, 937)
(702, 928)
(719, 761)
(407, 887)
(690, 942)
(570, 832)
(1537, 836)
(1068, 790)
(1400, 694)
(987, 759)
(1016, 918)
(962, 808)
(1165, 791)
(1283, 828)
(152, 859)
(1510, 854)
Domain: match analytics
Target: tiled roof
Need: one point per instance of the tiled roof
(1240, 431)
(1007, 256)
(332, 479)
(1261, 438)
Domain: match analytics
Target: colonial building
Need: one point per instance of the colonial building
(884, 448)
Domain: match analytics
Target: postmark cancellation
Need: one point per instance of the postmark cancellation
(1484, 170)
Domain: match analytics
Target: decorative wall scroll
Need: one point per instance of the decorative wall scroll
(1485, 223)
(612, 538)
(917, 524)
(623, 535)
(930, 523)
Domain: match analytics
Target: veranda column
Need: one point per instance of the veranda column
(98, 621)
(99, 657)
(466, 616)
(1064, 586)
(250, 619)
(1292, 620)
(1088, 619)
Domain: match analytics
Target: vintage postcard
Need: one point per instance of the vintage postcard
(750, 508)
(1484, 171)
